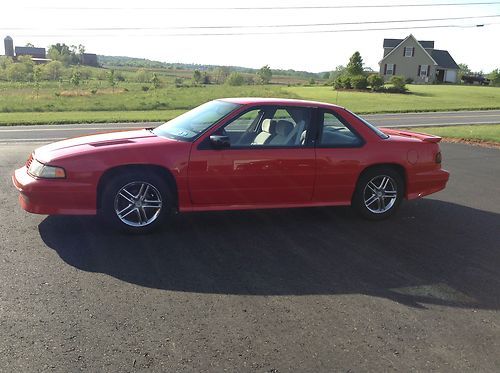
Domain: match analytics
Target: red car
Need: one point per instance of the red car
(228, 154)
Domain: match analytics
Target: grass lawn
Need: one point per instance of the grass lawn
(61, 117)
(423, 98)
(489, 132)
(94, 101)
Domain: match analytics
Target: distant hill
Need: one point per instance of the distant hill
(123, 61)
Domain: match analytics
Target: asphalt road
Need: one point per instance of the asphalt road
(297, 290)
(17, 134)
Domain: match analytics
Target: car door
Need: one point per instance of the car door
(339, 156)
(269, 160)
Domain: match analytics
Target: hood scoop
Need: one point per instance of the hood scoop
(110, 142)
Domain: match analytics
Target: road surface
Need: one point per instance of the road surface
(58, 132)
(301, 290)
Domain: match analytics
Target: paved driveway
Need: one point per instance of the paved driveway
(282, 290)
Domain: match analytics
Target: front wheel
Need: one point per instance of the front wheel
(138, 202)
(379, 193)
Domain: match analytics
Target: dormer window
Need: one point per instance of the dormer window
(409, 51)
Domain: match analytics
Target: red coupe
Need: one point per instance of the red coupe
(228, 154)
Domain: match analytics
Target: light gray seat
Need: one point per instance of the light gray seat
(268, 131)
(283, 130)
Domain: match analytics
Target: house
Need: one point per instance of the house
(417, 60)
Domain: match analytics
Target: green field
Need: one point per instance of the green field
(489, 132)
(95, 101)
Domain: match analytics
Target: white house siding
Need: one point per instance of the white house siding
(450, 76)
(408, 66)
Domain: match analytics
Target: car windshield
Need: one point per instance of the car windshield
(189, 125)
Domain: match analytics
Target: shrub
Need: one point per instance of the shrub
(398, 83)
(93, 91)
(178, 82)
(359, 82)
(145, 88)
(346, 81)
(235, 79)
(337, 83)
(375, 81)
(409, 80)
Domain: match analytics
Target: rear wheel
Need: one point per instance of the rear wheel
(137, 202)
(379, 193)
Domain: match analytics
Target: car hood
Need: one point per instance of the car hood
(93, 143)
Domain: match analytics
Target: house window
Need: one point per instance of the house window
(390, 69)
(423, 70)
(409, 51)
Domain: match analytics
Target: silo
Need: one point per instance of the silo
(9, 46)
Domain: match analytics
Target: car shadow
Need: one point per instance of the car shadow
(430, 252)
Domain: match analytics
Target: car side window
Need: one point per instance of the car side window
(243, 129)
(270, 126)
(336, 134)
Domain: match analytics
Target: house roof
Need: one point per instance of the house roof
(392, 43)
(444, 59)
(401, 41)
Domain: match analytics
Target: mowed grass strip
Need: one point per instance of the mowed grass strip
(487, 132)
(63, 117)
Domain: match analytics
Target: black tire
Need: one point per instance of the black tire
(144, 213)
(369, 187)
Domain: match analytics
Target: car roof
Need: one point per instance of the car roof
(277, 101)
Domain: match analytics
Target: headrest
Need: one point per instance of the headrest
(269, 125)
(283, 128)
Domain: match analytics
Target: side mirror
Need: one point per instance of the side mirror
(220, 142)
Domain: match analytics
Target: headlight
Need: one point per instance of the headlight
(41, 170)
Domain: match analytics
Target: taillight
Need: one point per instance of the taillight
(438, 157)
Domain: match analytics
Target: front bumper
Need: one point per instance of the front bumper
(53, 197)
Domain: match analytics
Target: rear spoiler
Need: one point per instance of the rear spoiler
(415, 135)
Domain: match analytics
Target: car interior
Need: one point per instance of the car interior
(272, 126)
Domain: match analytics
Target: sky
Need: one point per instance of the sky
(152, 29)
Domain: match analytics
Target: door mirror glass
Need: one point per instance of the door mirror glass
(220, 141)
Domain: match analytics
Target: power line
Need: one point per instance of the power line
(267, 33)
(257, 26)
(402, 5)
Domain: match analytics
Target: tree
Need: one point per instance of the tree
(21, 71)
(142, 76)
(265, 74)
(494, 77)
(355, 65)
(5, 61)
(221, 74)
(155, 81)
(37, 75)
(30, 45)
(206, 78)
(463, 69)
(339, 70)
(197, 78)
(64, 53)
(75, 79)
(235, 79)
(111, 79)
(53, 70)
(326, 75)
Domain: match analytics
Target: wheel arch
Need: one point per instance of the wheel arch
(401, 170)
(156, 169)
